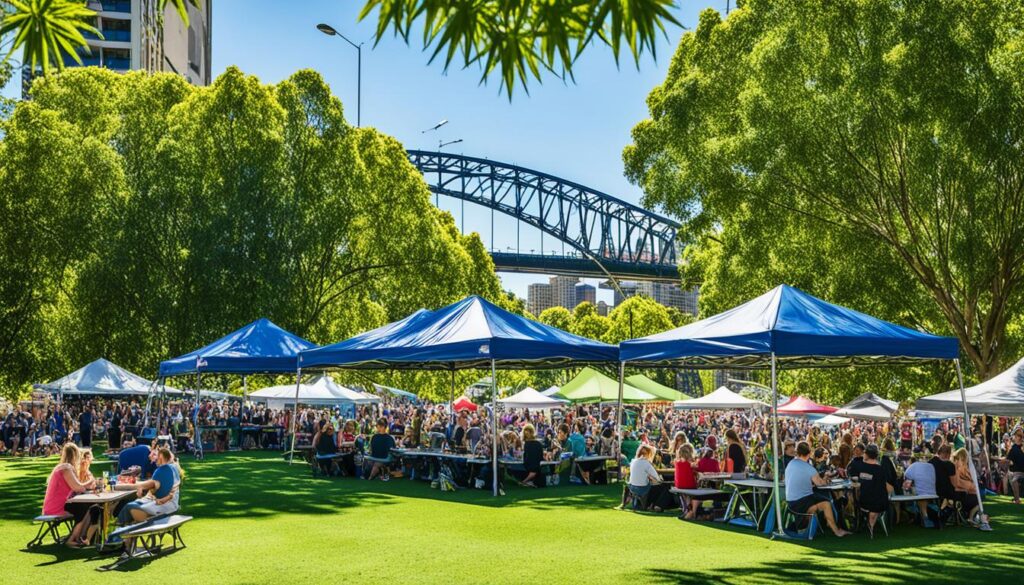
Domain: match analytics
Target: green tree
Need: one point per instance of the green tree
(144, 217)
(583, 309)
(559, 317)
(46, 31)
(678, 317)
(593, 326)
(523, 38)
(181, 6)
(637, 316)
(869, 152)
(54, 184)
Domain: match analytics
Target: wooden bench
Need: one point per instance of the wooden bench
(149, 536)
(50, 525)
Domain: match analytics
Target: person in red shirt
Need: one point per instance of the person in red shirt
(708, 463)
(686, 478)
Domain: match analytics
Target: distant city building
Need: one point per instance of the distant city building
(603, 308)
(133, 39)
(666, 293)
(585, 293)
(539, 298)
(563, 291)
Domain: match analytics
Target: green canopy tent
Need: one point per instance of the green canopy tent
(660, 391)
(591, 385)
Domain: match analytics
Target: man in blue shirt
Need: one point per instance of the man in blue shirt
(801, 477)
(139, 455)
(157, 496)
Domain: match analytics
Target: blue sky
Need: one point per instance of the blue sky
(575, 131)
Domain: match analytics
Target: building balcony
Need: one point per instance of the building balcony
(116, 6)
(87, 61)
(119, 64)
(124, 36)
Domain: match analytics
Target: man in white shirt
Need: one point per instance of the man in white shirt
(921, 474)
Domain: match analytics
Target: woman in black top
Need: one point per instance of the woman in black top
(114, 432)
(736, 453)
(874, 490)
(533, 455)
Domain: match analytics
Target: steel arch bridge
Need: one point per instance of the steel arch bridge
(610, 237)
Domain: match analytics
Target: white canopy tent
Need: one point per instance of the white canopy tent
(869, 406)
(320, 391)
(530, 398)
(830, 420)
(101, 378)
(721, 399)
(1001, 395)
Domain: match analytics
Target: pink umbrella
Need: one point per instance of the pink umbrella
(799, 405)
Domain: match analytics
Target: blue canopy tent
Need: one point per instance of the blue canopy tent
(472, 333)
(787, 328)
(261, 347)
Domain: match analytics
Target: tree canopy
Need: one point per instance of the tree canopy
(869, 152)
(524, 39)
(141, 217)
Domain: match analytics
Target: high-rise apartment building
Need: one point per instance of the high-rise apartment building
(137, 36)
(539, 298)
(563, 291)
(585, 293)
(668, 294)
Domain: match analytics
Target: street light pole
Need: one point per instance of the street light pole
(330, 31)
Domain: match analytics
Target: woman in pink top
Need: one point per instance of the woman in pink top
(60, 488)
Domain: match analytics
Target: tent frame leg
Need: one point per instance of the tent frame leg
(295, 413)
(967, 436)
(494, 425)
(776, 459)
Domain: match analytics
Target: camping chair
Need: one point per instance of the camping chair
(801, 525)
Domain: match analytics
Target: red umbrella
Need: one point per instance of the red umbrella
(802, 405)
(463, 403)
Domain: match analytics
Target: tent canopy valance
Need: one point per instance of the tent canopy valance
(720, 399)
(101, 378)
(469, 334)
(799, 329)
(261, 347)
(654, 388)
(591, 385)
(1001, 395)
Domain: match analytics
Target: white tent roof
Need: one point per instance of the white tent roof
(831, 420)
(1001, 395)
(530, 398)
(323, 391)
(101, 378)
(721, 399)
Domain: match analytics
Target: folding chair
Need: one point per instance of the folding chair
(50, 525)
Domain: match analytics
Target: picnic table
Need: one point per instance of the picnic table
(107, 501)
(897, 499)
(747, 495)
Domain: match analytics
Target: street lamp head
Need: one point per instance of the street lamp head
(326, 29)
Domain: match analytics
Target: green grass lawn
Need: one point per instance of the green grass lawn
(259, 520)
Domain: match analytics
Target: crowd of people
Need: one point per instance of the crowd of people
(654, 439)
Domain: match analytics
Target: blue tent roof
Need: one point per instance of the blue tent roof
(467, 334)
(802, 331)
(258, 348)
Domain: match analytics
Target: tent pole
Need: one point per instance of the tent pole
(451, 405)
(295, 412)
(967, 436)
(245, 390)
(618, 405)
(775, 448)
(198, 439)
(494, 425)
(160, 384)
